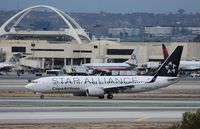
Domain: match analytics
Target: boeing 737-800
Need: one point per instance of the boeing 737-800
(100, 85)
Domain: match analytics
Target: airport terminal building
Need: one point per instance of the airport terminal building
(56, 55)
(53, 49)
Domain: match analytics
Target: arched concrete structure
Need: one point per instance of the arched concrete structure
(73, 32)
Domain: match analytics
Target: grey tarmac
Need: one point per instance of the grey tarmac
(95, 114)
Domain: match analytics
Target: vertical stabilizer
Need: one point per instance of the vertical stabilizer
(15, 58)
(165, 51)
(132, 60)
(170, 66)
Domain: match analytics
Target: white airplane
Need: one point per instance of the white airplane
(127, 65)
(98, 86)
(189, 65)
(184, 65)
(6, 66)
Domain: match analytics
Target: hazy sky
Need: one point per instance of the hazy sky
(114, 6)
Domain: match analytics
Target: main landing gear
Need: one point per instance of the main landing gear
(109, 96)
(101, 97)
(40, 94)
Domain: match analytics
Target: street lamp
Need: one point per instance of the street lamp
(33, 46)
(98, 26)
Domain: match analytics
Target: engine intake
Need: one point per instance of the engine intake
(93, 91)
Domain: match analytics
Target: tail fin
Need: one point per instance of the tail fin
(132, 60)
(15, 58)
(12, 60)
(165, 51)
(170, 66)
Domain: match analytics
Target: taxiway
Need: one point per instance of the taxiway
(83, 109)
(32, 110)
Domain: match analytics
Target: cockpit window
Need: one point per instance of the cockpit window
(34, 82)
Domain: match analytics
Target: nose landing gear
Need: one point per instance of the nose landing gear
(41, 96)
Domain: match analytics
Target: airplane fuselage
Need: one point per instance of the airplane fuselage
(74, 84)
(190, 65)
(108, 66)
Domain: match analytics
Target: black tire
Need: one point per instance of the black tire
(101, 97)
(41, 96)
(109, 96)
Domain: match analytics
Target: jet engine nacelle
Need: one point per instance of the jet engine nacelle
(92, 91)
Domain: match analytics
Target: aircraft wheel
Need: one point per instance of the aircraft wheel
(110, 96)
(41, 96)
(101, 97)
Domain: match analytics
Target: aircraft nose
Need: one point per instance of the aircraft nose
(29, 87)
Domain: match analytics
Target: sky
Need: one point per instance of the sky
(111, 6)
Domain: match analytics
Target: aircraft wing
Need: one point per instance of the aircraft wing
(116, 89)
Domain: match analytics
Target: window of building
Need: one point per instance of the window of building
(18, 49)
(88, 60)
(119, 60)
(95, 46)
(82, 51)
(119, 51)
(47, 49)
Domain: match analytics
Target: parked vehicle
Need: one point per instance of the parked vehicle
(54, 72)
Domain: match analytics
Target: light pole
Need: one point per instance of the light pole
(98, 26)
(99, 49)
(33, 44)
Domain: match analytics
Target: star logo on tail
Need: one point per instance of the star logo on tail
(170, 68)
